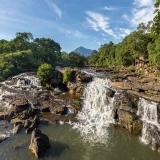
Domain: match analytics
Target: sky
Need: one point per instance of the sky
(74, 23)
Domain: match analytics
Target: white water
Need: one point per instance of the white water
(29, 80)
(96, 114)
(147, 110)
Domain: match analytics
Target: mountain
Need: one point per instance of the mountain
(84, 51)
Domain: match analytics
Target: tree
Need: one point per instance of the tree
(92, 59)
(46, 50)
(156, 20)
(23, 41)
(64, 61)
(75, 59)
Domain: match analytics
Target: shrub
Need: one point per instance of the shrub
(66, 75)
(46, 73)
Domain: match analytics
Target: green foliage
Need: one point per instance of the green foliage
(142, 72)
(46, 73)
(76, 60)
(130, 68)
(66, 75)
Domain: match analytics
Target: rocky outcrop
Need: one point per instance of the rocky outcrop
(125, 108)
(77, 80)
(39, 143)
(144, 86)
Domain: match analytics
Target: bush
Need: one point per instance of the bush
(46, 73)
(66, 75)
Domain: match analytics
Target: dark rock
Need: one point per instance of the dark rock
(31, 128)
(36, 120)
(39, 143)
(123, 101)
(27, 123)
(20, 104)
(110, 92)
(17, 129)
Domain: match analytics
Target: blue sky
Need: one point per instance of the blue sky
(74, 23)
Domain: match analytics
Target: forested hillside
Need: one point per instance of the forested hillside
(143, 42)
(26, 53)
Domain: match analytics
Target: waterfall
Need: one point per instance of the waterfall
(96, 114)
(29, 80)
(147, 110)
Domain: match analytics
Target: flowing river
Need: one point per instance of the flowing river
(68, 144)
(93, 137)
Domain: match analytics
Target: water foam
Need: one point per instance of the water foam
(97, 112)
(147, 110)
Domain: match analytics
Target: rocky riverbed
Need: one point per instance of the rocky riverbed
(132, 101)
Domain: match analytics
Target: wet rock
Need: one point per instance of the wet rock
(129, 121)
(27, 123)
(31, 128)
(39, 143)
(17, 128)
(3, 138)
(122, 101)
(137, 127)
(110, 92)
(34, 123)
(20, 104)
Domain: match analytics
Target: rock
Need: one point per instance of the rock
(17, 128)
(27, 123)
(127, 120)
(122, 85)
(3, 138)
(122, 101)
(39, 143)
(137, 127)
(36, 120)
(20, 104)
(31, 128)
(110, 92)
(147, 86)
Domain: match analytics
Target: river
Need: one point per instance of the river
(67, 144)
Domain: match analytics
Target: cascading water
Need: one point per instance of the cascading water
(147, 110)
(29, 80)
(96, 114)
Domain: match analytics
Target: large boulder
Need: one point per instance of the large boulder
(39, 143)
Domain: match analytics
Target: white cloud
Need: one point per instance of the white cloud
(109, 8)
(54, 8)
(123, 32)
(99, 22)
(92, 24)
(72, 34)
(143, 3)
(125, 16)
(141, 12)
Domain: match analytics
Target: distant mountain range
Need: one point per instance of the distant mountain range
(83, 51)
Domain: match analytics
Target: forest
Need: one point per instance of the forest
(26, 53)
